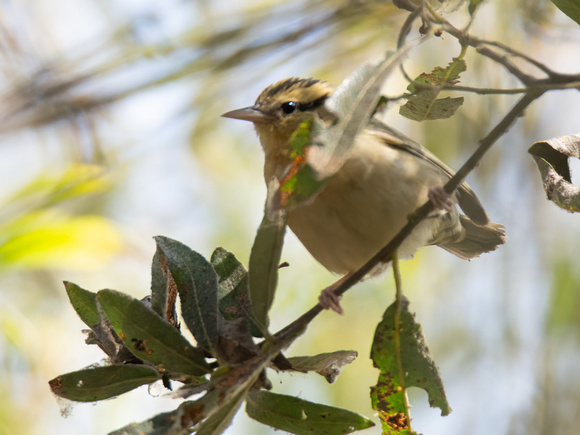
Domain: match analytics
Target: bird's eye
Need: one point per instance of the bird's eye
(288, 107)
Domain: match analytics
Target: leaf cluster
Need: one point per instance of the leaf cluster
(227, 364)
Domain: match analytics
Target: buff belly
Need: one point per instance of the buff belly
(364, 205)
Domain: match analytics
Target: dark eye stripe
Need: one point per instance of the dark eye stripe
(303, 107)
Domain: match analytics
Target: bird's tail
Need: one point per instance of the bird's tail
(478, 239)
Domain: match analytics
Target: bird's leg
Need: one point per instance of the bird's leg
(330, 300)
(440, 199)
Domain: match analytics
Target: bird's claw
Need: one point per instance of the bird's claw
(440, 199)
(330, 300)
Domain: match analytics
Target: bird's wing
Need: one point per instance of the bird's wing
(467, 199)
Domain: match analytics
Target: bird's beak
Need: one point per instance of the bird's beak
(249, 114)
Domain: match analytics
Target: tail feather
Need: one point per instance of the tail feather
(478, 239)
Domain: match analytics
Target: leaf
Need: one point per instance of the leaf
(99, 383)
(264, 261)
(419, 368)
(233, 290)
(101, 333)
(298, 416)
(163, 288)
(353, 102)
(300, 182)
(570, 8)
(329, 365)
(424, 104)
(197, 285)
(84, 302)
(149, 337)
(551, 156)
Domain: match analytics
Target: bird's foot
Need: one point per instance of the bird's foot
(440, 199)
(328, 299)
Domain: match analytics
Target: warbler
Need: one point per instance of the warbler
(385, 177)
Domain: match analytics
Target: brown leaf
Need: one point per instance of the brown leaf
(551, 156)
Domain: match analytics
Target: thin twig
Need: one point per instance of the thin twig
(397, 329)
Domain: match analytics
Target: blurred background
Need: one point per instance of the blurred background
(110, 134)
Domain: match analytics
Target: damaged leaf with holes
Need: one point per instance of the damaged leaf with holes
(423, 104)
(415, 363)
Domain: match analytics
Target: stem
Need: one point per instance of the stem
(398, 299)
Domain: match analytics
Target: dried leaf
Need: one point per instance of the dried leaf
(551, 156)
(329, 365)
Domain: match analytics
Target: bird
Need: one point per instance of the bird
(385, 177)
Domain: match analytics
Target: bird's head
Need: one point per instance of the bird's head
(282, 107)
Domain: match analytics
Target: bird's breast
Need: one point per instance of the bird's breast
(364, 205)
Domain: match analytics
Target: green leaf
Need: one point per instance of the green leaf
(149, 337)
(570, 8)
(552, 156)
(300, 183)
(329, 364)
(298, 416)
(264, 261)
(99, 383)
(424, 104)
(419, 368)
(197, 284)
(84, 302)
(233, 288)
